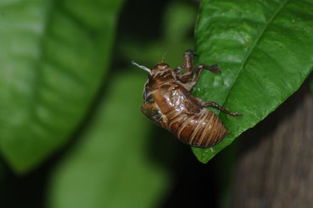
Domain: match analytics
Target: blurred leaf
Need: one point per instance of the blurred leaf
(178, 22)
(264, 49)
(110, 166)
(53, 57)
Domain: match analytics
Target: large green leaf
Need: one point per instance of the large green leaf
(264, 48)
(110, 166)
(53, 56)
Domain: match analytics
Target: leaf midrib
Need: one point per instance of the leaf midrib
(250, 51)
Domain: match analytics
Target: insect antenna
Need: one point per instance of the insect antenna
(141, 67)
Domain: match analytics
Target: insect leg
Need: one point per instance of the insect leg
(187, 77)
(217, 106)
(188, 60)
(213, 68)
(190, 77)
(196, 73)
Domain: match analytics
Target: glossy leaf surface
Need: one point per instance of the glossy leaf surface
(110, 166)
(53, 57)
(264, 49)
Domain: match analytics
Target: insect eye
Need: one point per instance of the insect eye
(147, 96)
(152, 114)
(149, 99)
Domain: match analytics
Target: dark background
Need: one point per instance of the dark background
(272, 167)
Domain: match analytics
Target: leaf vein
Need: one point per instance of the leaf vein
(253, 45)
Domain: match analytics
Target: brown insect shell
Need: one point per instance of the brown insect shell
(160, 93)
(165, 98)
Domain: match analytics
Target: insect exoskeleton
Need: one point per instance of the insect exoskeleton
(169, 103)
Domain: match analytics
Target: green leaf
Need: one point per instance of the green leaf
(264, 49)
(110, 166)
(53, 57)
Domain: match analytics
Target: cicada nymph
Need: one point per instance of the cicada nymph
(169, 103)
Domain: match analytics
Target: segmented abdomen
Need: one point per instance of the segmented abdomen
(203, 129)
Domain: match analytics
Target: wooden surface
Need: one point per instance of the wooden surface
(275, 168)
